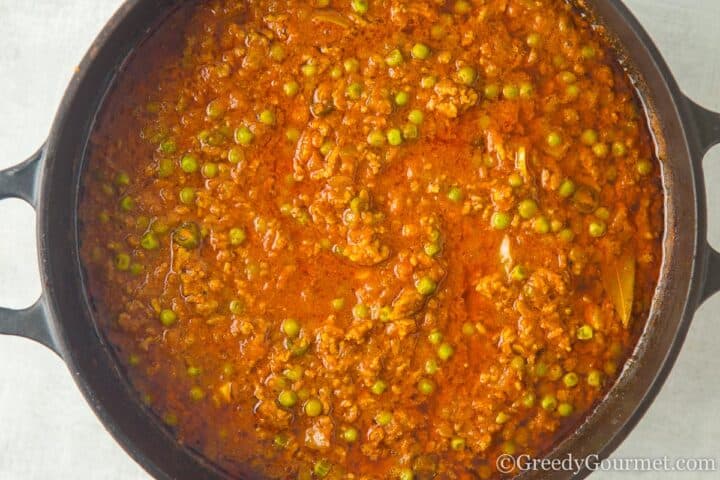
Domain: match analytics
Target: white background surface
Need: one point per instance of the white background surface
(47, 431)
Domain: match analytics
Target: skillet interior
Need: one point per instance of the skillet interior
(97, 373)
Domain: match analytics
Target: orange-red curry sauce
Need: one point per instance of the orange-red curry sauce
(372, 239)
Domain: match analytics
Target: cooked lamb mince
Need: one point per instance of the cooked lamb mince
(372, 239)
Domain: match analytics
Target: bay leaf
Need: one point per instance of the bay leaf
(618, 278)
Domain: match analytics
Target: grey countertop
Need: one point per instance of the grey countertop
(46, 428)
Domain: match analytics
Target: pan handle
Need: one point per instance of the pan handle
(22, 181)
(707, 126)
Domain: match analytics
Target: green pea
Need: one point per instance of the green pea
(511, 92)
(428, 81)
(566, 235)
(197, 394)
(491, 91)
(335, 73)
(326, 147)
(385, 314)
(350, 434)
(209, 170)
(406, 474)
(402, 98)
(267, 117)
(619, 149)
(585, 332)
(281, 440)
(567, 188)
(187, 235)
(600, 150)
(337, 303)
(236, 306)
(515, 180)
(394, 58)
(308, 69)
(165, 168)
(122, 261)
(589, 137)
(168, 317)
(541, 369)
(237, 236)
(291, 88)
(500, 220)
(533, 40)
(587, 52)
(353, 91)
(594, 378)
(570, 379)
(287, 398)
(383, 418)
(416, 117)
(351, 65)
(602, 213)
(462, 7)
(572, 91)
(528, 400)
(466, 75)
(554, 139)
(568, 77)
(455, 194)
(290, 327)
(644, 167)
(187, 195)
(541, 225)
(435, 337)
(426, 387)
(170, 419)
(188, 163)
(526, 90)
(194, 371)
(215, 109)
(597, 228)
(376, 138)
(292, 134)
(457, 443)
(168, 146)
(127, 203)
(361, 311)
(122, 179)
(518, 273)
(517, 363)
(468, 329)
(149, 241)
(277, 52)
(549, 403)
(136, 268)
(431, 249)
(527, 208)
(360, 6)
(313, 407)
(243, 135)
(235, 155)
(431, 366)
(378, 387)
(394, 137)
(565, 409)
(445, 351)
(426, 286)
(420, 51)
(501, 418)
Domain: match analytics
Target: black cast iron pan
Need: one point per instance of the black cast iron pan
(62, 318)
